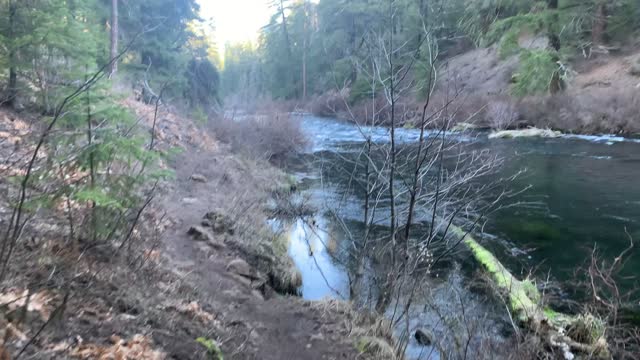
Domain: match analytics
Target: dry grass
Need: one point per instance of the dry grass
(372, 334)
(244, 185)
(330, 104)
(598, 111)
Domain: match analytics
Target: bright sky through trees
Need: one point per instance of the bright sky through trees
(236, 20)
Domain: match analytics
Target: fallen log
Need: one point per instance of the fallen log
(584, 333)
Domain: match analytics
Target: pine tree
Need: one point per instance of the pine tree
(47, 42)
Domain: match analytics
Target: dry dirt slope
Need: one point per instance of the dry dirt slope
(273, 328)
(602, 93)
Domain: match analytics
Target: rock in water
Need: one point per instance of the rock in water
(423, 337)
(199, 178)
(200, 234)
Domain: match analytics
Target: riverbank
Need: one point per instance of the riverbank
(601, 97)
(202, 277)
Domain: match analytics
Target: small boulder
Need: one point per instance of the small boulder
(198, 178)
(200, 234)
(240, 267)
(423, 337)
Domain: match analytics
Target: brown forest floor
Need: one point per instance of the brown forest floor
(170, 290)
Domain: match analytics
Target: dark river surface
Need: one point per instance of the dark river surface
(582, 191)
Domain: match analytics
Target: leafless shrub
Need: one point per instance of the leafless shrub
(288, 205)
(611, 111)
(370, 111)
(609, 301)
(549, 112)
(501, 114)
(460, 108)
(329, 104)
(258, 104)
(413, 194)
(272, 137)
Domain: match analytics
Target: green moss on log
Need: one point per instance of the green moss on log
(585, 333)
(523, 296)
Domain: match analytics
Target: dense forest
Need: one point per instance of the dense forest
(48, 46)
(314, 48)
(310, 48)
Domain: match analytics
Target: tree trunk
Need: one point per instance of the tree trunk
(304, 51)
(556, 85)
(386, 292)
(114, 37)
(12, 88)
(284, 28)
(599, 23)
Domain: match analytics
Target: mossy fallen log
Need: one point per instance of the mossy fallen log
(582, 333)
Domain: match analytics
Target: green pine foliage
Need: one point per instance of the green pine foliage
(333, 40)
(49, 45)
(536, 73)
(101, 147)
(97, 162)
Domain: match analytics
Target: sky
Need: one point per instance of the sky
(235, 20)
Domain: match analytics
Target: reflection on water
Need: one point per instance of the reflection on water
(309, 246)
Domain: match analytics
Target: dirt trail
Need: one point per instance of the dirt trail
(142, 306)
(278, 328)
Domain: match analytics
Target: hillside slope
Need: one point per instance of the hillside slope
(601, 94)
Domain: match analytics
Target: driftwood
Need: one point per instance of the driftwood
(583, 333)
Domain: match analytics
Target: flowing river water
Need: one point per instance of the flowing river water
(582, 191)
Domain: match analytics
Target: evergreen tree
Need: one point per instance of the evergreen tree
(315, 47)
(48, 44)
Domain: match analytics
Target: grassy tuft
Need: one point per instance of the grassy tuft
(213, 350)
(376, 347)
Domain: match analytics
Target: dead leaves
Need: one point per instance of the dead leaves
(171, 129)
(138, 348)
(193, 310)
(40, 302)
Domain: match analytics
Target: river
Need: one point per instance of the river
(581, 192)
